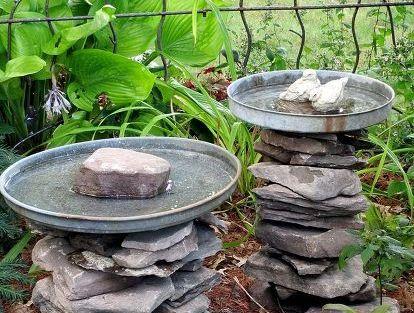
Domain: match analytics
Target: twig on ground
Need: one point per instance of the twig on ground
(250, 297)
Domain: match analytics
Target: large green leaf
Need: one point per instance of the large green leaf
(178, 38)
(22, 66)
(121, 79)
(134, 35)
(57, 8)
(27, 38)
(67, 37)
(7, 5)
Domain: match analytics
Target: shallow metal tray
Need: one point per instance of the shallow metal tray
(251, 98)
(39, 187)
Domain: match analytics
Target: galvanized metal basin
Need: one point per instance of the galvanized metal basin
(39, 187)
(251, 100)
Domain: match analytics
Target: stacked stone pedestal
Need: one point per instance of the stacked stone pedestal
(157, 271)
(308, 205)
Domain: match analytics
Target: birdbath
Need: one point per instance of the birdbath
(311, 197)
(141, 251)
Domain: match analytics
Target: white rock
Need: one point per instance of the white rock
(300, 90)
(328, 97)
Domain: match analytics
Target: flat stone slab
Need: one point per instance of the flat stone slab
(192, 266)
(199, 304)
(328, 161)
(277, 153)
(306, 242)
(312, 183)
(297, 218)
(212, 220)
(189, 285)
(96, 262)
(134, 258)
(159, 239)
(302, 266)
(122, 173)
(330, 284)
(393, 305)
(263, 293)
(367, 293)
(76, 283)
(42, 294)
(338, 206)
(130, 300)
(100, 244)
(208, 244)
(305, 144)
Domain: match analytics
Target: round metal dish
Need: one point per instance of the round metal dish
(39, 187)
(251, 100)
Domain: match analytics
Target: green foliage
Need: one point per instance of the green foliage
(386, 246)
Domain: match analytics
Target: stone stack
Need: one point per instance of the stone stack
(156, 271)
(308, 203)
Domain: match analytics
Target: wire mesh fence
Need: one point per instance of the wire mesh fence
(241, 9)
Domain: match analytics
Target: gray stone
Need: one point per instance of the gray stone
(131, 300)
(199, 304)
(96, 262)
(40, 229)
(159, 239)
(134, 258)
(42, 294)
(76, 283)
(344, 222)
(305, 144)
(189, 285)
(264, 294)
(338, 206)
(329, 161)
(330, 284)
(192, 266)
(208, 244)
(212, 220)
(306, 242)
(115, 172)
(367, 293)
(277, 153)
(50, 252)
(100, 244)
(392, 304)
(302, 266)
(284, 293)
(316, 184)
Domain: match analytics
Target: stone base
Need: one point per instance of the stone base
(158, 271)
(309, 202)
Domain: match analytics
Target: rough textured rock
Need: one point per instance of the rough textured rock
(199, 304)
(134, 258)
(300, 89)
(330, 284)
(208, 244)
(40, 229)
(115, 172)
(212, 220)
(75, 282)
(50, 252)
(306, 242)
(42, 292)
(305, 144)
(156, 290)
(189, 285)
(329, 161)
(338, 206)
(344, 222)
(277, 153)
(312, 183)
(96, 262)
(284, 293)
(330, 96)
(158, 240)
(302, 266)
(192, 266)
(100, 244)
(367, 293)
(365, 307)
(263, 293)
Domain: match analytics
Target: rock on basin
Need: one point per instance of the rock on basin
(115, 172)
